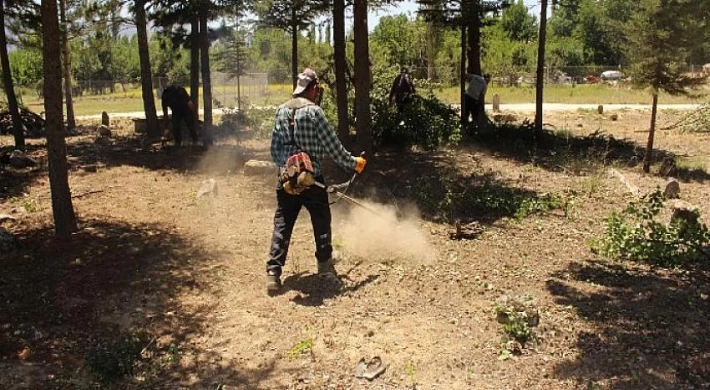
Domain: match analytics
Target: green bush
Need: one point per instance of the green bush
(110, 363)
(635, 234)
(252, 122)
(426, 121)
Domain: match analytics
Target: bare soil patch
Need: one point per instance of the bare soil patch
(180, 279)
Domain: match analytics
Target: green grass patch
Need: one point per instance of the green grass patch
(580, 94)
(274, 94)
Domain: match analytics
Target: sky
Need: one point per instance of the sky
(410, 7)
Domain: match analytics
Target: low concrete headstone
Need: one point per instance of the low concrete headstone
(260, 168)
(672, 190)
(208, 187)
(496, 102)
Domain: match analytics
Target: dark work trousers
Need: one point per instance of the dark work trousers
(315, 200)
(472, 110)
(178, 117)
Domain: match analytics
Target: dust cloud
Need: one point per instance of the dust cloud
(221, 159)
(378, 233)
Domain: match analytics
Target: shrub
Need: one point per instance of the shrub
(425, 121)
(635, 234)
(110, 363)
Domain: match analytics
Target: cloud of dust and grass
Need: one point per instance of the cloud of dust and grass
(221, 159)
(379, 233)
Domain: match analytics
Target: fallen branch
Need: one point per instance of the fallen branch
(83, 194)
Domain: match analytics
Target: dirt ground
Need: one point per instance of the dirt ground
(182, 278)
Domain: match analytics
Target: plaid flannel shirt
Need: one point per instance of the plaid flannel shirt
(313, 135)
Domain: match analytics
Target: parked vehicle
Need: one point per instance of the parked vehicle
(611, 75)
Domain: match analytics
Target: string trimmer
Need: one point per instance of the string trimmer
(339, 191)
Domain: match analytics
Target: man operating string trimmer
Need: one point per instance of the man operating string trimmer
(300, 140)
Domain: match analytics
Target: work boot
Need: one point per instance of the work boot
(326, 268)
(273, 282)
(326, 271)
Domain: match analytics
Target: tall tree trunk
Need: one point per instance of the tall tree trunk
(206, 80)
(362, 77)
(17, 129)
(464, 50)
(62, 208)
(540, 82)
(146, 77)
(294, 48)
(430, 49)
(66, 56)
(341, 93)
(195, 65)
(474, 38)
(651, 134)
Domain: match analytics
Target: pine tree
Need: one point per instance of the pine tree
(659, 43)
(62, 208)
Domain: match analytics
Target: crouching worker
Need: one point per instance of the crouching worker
(475, 104)
(301, 139)
(177, 98)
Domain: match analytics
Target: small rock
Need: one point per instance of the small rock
(505, 118)
(102, 140)
(20, 160)
(8, 242)
(668, 167)
(103, 131)
(580, 125)
(672, 190)
(260, 168)
(5, 218)
(208, 187)
(614, 117)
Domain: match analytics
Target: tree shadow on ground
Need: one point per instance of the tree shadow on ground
(651, 325)
(79, 308)
(444, 187)
(561, 151)
(127, 150)
(16, 182)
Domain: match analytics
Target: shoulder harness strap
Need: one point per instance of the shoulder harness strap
(295, 104)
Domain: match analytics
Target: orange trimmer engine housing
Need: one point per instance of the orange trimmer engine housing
(298, 174)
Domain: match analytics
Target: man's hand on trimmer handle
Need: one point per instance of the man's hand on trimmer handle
(360, 163)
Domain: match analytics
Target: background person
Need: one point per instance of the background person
(475, 98)
(177, 98)
(402, 89)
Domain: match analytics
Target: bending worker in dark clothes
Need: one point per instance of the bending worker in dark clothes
(177, 98)
(402, 90)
